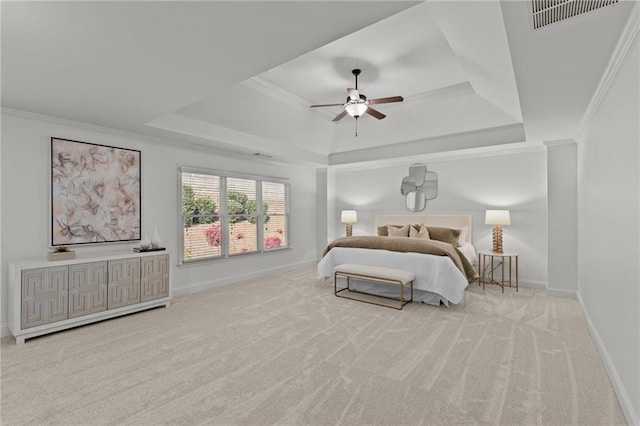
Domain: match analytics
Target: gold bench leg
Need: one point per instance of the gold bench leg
(348, 288)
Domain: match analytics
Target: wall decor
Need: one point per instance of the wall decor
(419, 187)
(95, 193)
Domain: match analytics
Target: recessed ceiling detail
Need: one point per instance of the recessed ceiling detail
(250, 93)
(547, 12)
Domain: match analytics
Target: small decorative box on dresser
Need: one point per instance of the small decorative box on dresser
(49, 296)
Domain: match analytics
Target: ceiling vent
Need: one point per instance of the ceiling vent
(547, 12)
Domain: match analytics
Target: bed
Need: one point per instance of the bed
(439, 278)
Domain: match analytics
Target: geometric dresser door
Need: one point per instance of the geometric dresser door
(124, 282)
(45, 295)
(87, 288)
(154, 283)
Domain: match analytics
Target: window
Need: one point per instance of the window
(275, 206)
(224, 215)
(242, 231)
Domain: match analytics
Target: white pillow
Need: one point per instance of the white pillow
(398, 232)
(422, 233)
(470, 253)
(462, 239)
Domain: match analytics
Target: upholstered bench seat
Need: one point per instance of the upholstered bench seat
(378, 274)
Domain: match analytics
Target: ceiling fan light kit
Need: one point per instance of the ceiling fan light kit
(357, 104)
(355, 109)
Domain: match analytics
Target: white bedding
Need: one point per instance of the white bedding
(469, 252)
(437, 278)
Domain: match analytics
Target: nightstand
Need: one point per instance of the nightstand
(489, 261)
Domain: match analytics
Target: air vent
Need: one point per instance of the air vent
(547, 12)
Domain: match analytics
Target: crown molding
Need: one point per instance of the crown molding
(77, 124)
(559, 142)
(620, 53)
(446, 156)
(244, 143)
(191, 142)
(476, 143)
(455, 90)
(267, 88)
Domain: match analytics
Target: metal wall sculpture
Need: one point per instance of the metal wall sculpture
(419, 187)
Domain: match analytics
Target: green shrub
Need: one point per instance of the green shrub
(252, 214)
(235, 207)
(239, 207)
(188, 204)
(238, 197)
(202, 206)
(205, 206)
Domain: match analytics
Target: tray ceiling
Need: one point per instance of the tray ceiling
(240, 76)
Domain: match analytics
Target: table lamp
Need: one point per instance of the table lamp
(497, 218)
(349, 217)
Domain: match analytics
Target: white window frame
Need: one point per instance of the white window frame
(224, 216)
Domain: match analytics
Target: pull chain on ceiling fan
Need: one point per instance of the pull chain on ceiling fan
(358, 104)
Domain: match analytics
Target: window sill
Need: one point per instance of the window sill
(233, 257)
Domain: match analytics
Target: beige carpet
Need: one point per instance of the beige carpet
(284, 350)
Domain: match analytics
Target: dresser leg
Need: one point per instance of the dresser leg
(516, 274)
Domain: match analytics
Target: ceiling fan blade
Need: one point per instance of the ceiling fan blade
(353, 94)
(386, 100)
(340, 116)
(326, 105)
(377, 114)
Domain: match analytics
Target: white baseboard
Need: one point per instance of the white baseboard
(625, 403)
(4, 330)
(541, 285)
(550, 291)
(195, 288)
(559, 292)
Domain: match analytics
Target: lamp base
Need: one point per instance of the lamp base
(349, 229)
(497, 239)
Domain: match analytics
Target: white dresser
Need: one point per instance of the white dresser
(47, 296)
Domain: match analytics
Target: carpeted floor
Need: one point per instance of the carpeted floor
(284, 350)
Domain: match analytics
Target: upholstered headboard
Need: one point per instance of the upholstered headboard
(449, 221)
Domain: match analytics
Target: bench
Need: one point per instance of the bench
(377, 274)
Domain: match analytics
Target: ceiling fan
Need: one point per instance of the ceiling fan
(358, 104)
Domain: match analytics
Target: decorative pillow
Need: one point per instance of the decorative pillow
(447, 235)
(398, 232)
(382, 231)
(422, 232)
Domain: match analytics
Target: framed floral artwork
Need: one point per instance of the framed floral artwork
(95, 193)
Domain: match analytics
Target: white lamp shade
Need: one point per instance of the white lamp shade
(349, 216)
(497, 217)
(356, 109)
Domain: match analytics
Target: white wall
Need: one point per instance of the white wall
(25, 200)
(562, 216)
(515, 181)
(609, 230)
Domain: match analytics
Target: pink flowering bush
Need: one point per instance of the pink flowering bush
(272, 242)
(213, 235)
